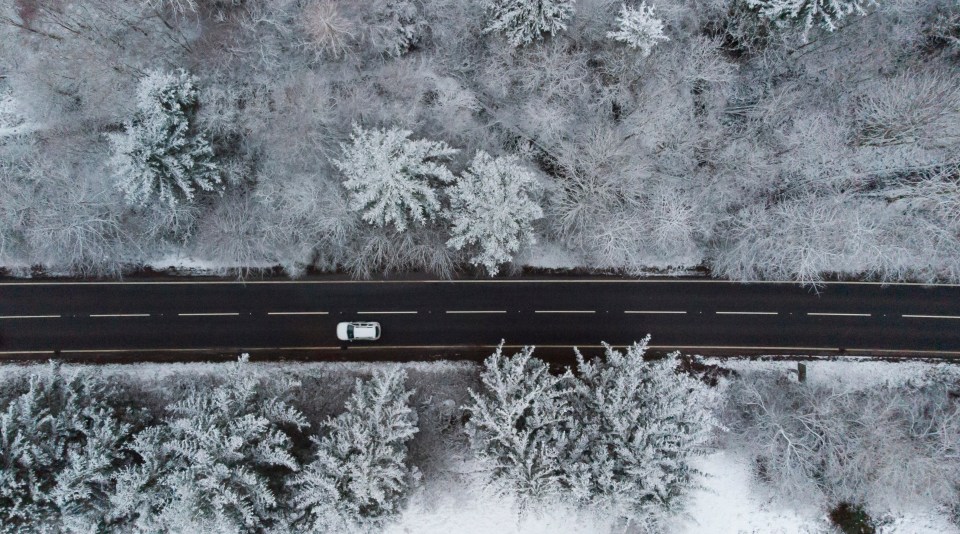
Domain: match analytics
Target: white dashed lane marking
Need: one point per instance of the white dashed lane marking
(826, 314)
(745, 313)
(667, 312)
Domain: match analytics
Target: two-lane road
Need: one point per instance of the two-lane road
(703, 315)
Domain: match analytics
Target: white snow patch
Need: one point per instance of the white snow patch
(929, 522)
(454, 512)
(12, 121)
(728, 504)
(548, 254)
(458, 501)
(731, 502)
(187, 263)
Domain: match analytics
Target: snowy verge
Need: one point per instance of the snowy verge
(731, 502)
(850, 373)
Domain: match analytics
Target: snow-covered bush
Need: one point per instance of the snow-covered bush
(215, 463)
(60, 443)
(491, 208)
(639, 28)
(519, 425)
(360, 477)
(75, 219)
(641, 422)
(826, 14)
(385, 251)
(886, 448)
(525, 21)
(673, 222)
(388, 176)
(801, 238)
(161, 155)
(913, 108)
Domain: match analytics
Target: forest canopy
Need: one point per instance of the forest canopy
(761, 139)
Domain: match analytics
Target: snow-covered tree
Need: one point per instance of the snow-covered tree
(388, 175)
(639, 28)
(393, 26)
(215, 463)
(360, 477)
(825, 13)
(161, 156)
(177, 6)
(519, 425)
(525, 21)
(641, 423)
(60, 443)
(491, 208)
(328, 31)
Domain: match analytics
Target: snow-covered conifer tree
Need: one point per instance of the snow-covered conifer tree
(491, 208)
(388, 175)
(60, 442)
(360, 478)
(641, 422)
(213, 464)
(825, 13)
(639, 28)
(394, 26)
(525, 21)
(161, 155)
(519, 425)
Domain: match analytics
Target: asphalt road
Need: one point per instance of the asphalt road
(697, 315)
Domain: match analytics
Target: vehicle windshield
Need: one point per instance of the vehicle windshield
(349, 330)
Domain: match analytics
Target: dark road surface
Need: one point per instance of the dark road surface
(703, 315)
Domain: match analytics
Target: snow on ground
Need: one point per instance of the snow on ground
(548, 254)
(12, 122)
(463, 510)
(728, 504)
(196, 266)
(731, 503)
(929, 522)
(849, 373)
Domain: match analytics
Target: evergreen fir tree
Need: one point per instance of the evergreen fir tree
(388, 176)
(216, 462)
(491, 209)
(360, 478)
(161, 156)
(519, 425)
